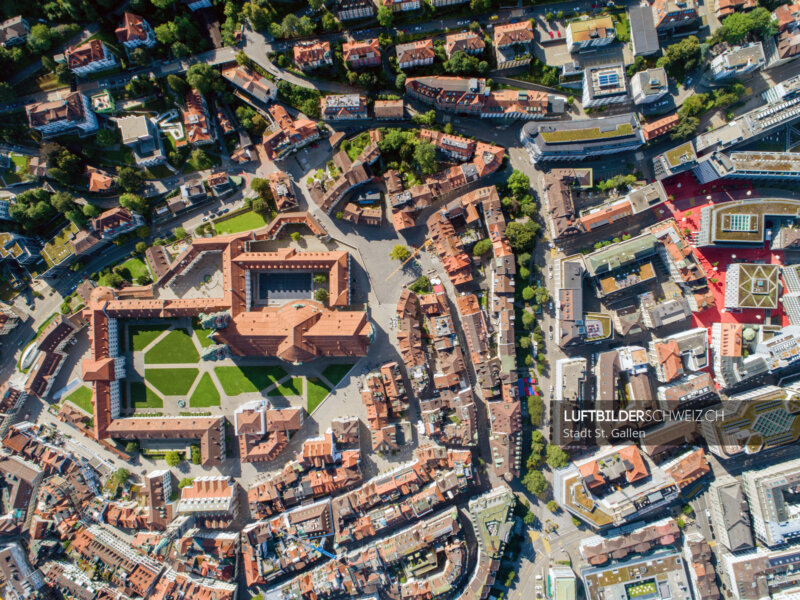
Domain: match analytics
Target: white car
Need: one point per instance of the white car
(204, 219)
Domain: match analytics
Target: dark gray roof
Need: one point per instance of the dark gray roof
(643, 32)
(735, 516)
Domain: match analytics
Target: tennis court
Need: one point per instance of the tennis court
(284, 286)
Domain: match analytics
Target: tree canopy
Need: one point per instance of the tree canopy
(481, 247)
(522, 235)
(134, 203)
(681, 58)
(425, 157)
(204, 78)
(737, 26)
(400, 252)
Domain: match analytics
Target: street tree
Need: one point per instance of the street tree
(385, 16)
(400, 252)
(536, 483)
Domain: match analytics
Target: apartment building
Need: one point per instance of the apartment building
(649, 85)
(14, 31)
(213, 501)
(197, 124)
(513, 44)
(19, 248)
(788, 38)
(362, 53)
(251, 83)
(343, 107)
(141, 135)
(90, 57)
(399, 5)
(389, 109)
(730, 514)
(670, 15)
(454, 147)
(350, 10)
(280, 184)
(590, 34)
(288, 135)
(738, 62)
(470, 96)
(312, 55)
(415, 54)
(71, 114)
(468, 42)
(604, 85)
(135, 32)
(723, 8)
(774, 508)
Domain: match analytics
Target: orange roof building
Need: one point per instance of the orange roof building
(362, 53)
(727, 7)
(312, 55)
(90, 57)
(466, 41)
(135, 32)
(295, 329)
(688, 468)
(669, 365)
(288, 135)
(196, 120)
(415, 54)
(280, 184)
(659, 127)
(100, 181)
(389, 109)
(513, 33)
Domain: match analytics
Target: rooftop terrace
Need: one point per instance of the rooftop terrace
(59, 248)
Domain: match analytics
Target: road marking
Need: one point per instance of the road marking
(546, 545)
(534, 536)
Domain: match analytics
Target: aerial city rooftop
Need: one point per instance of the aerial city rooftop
(391, 299)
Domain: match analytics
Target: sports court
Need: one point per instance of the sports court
(277, 286)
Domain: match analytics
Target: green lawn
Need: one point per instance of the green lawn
(82, 398)
(205, 394)
(171, 382)
(135, 267)
(143, 397)
(243, 222)
(176, 347)
(240, 380)
(20, 161)
(335, 373)
(316, 391)
(294, 387)
(140, 336)
(202, 337)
